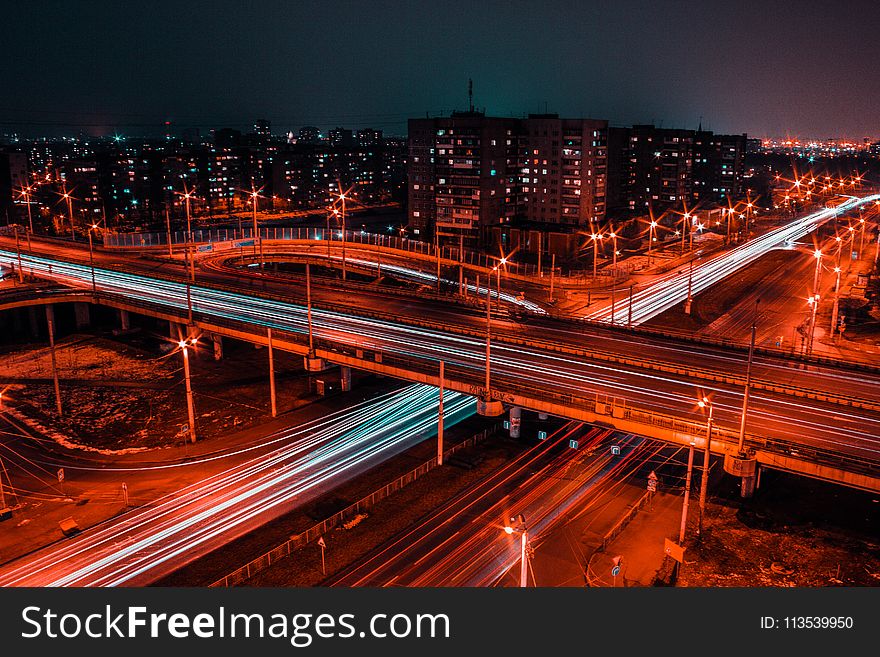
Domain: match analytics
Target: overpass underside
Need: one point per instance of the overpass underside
(615, 412)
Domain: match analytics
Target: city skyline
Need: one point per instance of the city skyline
(215, 66)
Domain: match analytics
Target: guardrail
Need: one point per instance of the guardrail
(284, 550)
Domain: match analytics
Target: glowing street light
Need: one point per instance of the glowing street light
(651, 240)
(92, 257)
(704, 403)
(521, 529)
(184, 349)
(255, 194)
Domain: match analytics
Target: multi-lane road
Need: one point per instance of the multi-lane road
(289, 468)
(548, 361)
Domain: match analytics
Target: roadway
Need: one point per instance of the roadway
(665, 291)
(462, 543)
(287, 469)
(540, 355)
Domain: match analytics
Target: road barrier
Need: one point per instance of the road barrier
(296, 541)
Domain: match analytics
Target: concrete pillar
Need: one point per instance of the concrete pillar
(515, 421)
(314, 364)
(489, 407)
(81, 315)
(218, 346)
(345, 377)
(175, 331)
(747, 487)
(124, 320)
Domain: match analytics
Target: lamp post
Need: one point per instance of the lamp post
(92, 257)
(685, 229)
(836, 307)
(596, 237)
(705, 403)
(66, 196)
(814, 300)
(18, 251)
(342, 198)
(613, 237)
(255, 194)
(184, 346)
(651, 241)
(687, 494)
(523, 550)
(26, 193)
(745, 408)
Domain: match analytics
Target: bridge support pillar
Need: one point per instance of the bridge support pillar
(345, 378)
(217, 340)
(489, 407)
(81, 315)
(124, 320)
(745, 467)
(515, 421)
(313, 364)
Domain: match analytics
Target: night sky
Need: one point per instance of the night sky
(767, 68)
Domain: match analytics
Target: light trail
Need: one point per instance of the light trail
(670, 290)
(797, 420)
(145, 544)
(463, 542)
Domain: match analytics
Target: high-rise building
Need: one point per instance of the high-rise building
(463, 175)
(718, 166)
(262, 128)
(564, 171)
(341, 138)
(309, 134)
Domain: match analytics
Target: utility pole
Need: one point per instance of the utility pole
(745, 409)
(488, 331)
(309, 310)
(18, 250)
(168, 226)
(552, 274)
(51, 324)
(461, 263)
(440, 418)
(437, 248)
(189, 395)
(704, 484)
(687, 494)
(271, 373)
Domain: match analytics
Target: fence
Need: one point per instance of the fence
(276, 233)
(313, 533)
(592, 578)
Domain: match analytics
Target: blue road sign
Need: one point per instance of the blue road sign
(206, 247)
(615, 571)
(238, 245)
(506, 424)
(573, 444)
(542, 435)
(615, 450)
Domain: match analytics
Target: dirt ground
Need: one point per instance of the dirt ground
(796, 532)
(127, 392)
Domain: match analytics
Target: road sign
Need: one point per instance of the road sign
(205, 247)
(506, 425)
(615, 571)
(60, 475)
(652, 485)
(573, 443)
(615, 450)
(239, 245)
(184, 428)
(542, 435)
(321, 542)
(674, 550)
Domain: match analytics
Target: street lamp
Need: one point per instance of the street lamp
(184, 345)
(613, 236)
(67, 197)
(836, 307)
(651, 240)
(521, 529)
(92, 256)
(705, 403)
(596, 237)
(255, 194)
